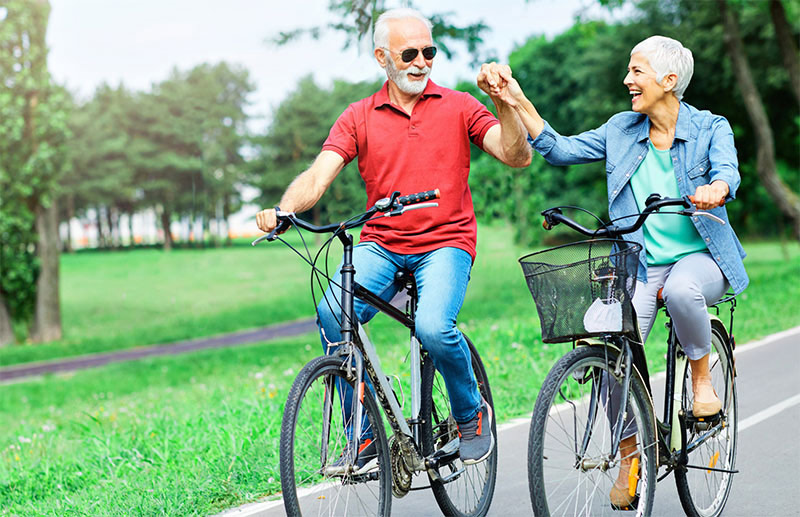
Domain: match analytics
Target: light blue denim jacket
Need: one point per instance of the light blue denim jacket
(702, 151)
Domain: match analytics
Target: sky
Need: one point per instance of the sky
(138, 42)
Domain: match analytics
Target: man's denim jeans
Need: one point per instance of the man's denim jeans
(442, 277)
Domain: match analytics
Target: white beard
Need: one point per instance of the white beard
(400, 78)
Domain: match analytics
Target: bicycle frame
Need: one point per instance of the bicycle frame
(361, 356)
(671, 436)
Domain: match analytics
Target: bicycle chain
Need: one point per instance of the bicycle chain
(401, 474)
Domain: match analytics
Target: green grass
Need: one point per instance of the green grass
(197, 433)
(124, 299)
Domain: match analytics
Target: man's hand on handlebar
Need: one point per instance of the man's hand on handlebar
(710, 196)
(267, 220)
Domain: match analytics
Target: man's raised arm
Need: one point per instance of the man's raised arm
(508, 141)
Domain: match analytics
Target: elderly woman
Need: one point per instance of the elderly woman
(668, 147)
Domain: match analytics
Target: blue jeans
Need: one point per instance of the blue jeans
(442, 277)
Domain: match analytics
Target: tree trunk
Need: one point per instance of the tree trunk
(6, 330)
(70, 216)
(46, 324)
(130, 230)
(787, 44)
(101, 238)
(112, 241)
(166, 219)
(226, 215)
(787, 201)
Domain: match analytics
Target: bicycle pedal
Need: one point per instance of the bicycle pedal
(443, 456)
(628, 508)
(707, 420)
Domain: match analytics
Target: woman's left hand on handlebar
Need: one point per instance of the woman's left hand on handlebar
(711, 195)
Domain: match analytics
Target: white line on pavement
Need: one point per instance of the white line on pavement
(769, 412)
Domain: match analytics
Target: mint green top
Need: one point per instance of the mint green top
(667, 238)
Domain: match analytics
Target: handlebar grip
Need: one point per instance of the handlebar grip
(419, 197)
(283, 225)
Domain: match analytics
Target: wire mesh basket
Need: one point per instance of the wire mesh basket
(584, 289)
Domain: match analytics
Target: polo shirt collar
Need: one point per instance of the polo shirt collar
(382, 96)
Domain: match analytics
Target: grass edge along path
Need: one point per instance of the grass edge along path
(289, 329)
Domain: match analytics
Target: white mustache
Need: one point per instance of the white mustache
(416, 70)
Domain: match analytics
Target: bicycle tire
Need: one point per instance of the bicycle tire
(470, 495)
(703, 492)
(307, 488)
(559, 479)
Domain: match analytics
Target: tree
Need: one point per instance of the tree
(766, 166)
(356, 19)
(186, 139)
(101, 175)
(787, 43)
(34, 112)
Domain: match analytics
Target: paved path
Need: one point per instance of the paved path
(768, 449)
(292, 328)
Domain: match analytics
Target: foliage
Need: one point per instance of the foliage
(33, 121)
(575, 80)
(355, 19)
(177, 148)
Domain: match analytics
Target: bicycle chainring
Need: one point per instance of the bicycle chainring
(401, 474)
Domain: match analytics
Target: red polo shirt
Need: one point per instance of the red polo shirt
(424, 151)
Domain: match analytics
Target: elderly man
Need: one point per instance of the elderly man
(412, 136)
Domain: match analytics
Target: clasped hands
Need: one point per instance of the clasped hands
(497, 81)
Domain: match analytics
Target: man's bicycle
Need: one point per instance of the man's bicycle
(599, 392)
(335, 458)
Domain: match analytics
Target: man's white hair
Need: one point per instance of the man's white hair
(668, 56)
(380, 35)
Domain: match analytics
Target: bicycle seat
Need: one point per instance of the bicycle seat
(404, 280)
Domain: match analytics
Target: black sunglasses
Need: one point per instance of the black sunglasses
(410, 54)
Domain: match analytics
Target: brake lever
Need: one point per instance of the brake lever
(283, 224)
(701, 213)
(406, 208)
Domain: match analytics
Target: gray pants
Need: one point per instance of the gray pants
(690, 284)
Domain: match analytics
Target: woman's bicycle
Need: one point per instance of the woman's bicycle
(324, 469)
(599, 392)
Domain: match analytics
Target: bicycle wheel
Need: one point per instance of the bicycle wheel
(704, 492)
(313, 439)
(466, 490)
(570, 467)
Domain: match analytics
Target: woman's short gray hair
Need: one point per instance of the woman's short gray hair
(668, 56)
(380, 35)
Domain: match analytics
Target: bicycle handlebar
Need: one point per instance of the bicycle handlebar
(391, 206)
(654, 202)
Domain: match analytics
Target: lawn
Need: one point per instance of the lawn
(197, 433)
(123, 299)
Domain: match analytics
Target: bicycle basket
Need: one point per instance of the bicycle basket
(583, 289)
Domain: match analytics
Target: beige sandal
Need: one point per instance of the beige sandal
(707, 408)
(623, 493)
